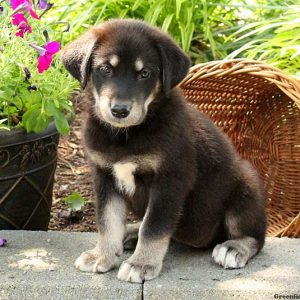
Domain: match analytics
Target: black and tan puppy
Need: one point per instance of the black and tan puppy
(150, 151)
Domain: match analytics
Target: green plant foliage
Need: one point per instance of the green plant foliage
(75, 201)
(275, 40)
(28, 99)
(200, 27)
(206, 30)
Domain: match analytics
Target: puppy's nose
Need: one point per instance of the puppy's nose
(120, 111)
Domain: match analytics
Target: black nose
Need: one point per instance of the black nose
(120, 111)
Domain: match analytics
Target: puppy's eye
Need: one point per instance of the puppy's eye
(106, 70)
(144, 74)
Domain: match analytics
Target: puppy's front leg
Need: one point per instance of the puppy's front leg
(155, 232)
(111, 215)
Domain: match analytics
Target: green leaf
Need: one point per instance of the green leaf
(75, 201)
(167, 22)
(178, 6)
(61, 123)
(41, 123)
(137, 4)
(29, 118)
(60, 120)
(7, 93)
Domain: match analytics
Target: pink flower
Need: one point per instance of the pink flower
(46, 54)
(22, 23)
(44, 61)
(23, 5)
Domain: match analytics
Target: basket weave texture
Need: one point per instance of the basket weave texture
(258, 106)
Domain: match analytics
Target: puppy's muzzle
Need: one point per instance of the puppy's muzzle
(120, 111)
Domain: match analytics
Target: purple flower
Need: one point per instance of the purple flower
(43, 4)
(2, 242)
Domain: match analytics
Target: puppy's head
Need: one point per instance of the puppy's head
(125, 65)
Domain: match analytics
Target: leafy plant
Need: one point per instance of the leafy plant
(34, 87)
(75, 201)
(275, 40)
(200, 27)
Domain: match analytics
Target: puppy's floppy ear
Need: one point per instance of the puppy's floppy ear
(175, 64)
(77, 55)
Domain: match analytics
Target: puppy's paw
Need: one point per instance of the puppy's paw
(228, 257)
(134, 272)
(94, 261)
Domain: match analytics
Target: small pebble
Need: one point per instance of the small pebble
(51, 268)
(183, 278)
(48, 240)
(65, 214)
(64, 187)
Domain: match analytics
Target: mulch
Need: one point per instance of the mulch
(73, 175)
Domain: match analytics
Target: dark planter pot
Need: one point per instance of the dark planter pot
(27, 166)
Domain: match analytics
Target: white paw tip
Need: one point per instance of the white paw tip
(100, 269)
(81, 265)
(124, 271)
(228, 258)
(219, 254)
(91, 262)
(138, 273)
(231, 260)
(128, 273)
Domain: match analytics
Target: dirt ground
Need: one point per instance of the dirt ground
(73, 175)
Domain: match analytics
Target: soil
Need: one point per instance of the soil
(73, 175)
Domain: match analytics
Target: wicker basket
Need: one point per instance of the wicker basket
(258, 107)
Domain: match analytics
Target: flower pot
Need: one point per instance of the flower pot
(27, 166)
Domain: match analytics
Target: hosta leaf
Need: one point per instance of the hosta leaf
(75, 201)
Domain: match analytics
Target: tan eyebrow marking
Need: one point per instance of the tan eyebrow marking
(139, 64)
(114, 60)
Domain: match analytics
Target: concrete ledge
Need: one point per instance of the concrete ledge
(39, 265)
(191, 274)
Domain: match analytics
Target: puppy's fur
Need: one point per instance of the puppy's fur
(152, 152)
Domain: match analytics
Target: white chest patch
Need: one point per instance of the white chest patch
(124, 176)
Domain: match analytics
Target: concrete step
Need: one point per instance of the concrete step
(40, 265)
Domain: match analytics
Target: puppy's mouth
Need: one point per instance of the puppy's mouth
(118, 115)
(133, 119)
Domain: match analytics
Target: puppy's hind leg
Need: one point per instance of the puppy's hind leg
(131, 236)
(245, 223)
(234, 254)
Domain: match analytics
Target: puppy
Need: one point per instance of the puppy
(153, 153)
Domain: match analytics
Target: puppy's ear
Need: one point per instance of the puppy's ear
(77, 55)
(175, 64)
